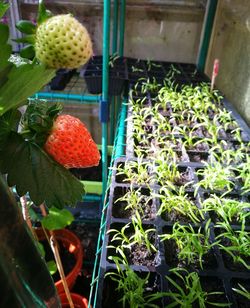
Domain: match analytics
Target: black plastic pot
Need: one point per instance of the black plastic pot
(61, 79)
(117, 76)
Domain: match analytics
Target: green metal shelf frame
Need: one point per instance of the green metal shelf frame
(118, 151)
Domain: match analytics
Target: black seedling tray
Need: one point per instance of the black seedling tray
(61, 79)
(117, 76)
(215, 275)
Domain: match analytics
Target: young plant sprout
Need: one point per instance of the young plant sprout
(136, 201)
(135, 171)
(216, 177)
(189, 292)
(133, 288)
(178, 202)
(226, 209)
(244, 174)
(167, 173)
(132, 235)
(242, 291)
(239, 247)
(191, 245)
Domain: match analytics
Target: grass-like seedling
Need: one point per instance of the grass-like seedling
(216, 177)
(136, 201)
(135, 171)
(167, 173)
(188, 292)
(179, 202)
(132, 288)
(244, 174)
(242, 291)
(192, 245)
(133, 234)
(236, 243)
(227, 209)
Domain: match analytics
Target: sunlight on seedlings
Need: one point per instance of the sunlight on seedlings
(236, 243)
(176, 203)
(192, 245)
(188, 291)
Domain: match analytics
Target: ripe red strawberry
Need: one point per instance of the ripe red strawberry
(71, 144)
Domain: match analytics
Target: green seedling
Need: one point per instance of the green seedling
(216, 177)
(242, 291)
(192, 245)
(189, 292)
(178, 202)
(135, 200)
(135, 171)
(133, 288)
(244, 174)
(133, 234)
(239, 242)
(227, 209)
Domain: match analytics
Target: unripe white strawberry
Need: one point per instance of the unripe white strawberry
(63, 42)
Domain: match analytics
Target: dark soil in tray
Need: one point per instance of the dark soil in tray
(214, 284)
(111, 296)
(144, 205)
(121, 176)
(241, 300)
(200, 147)
(198, 157)
(138, 253)
(233, 266)
(228, 260)
(171, 257)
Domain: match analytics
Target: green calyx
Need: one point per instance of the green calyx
(38, 120)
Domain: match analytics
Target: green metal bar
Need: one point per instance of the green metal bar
(207, 30)
(122, 27)
(119, 151)
(112, 120)
(73, 97)
(115, 26)
(92, 187)
(105, 87)
(90, 197)
(96, 270)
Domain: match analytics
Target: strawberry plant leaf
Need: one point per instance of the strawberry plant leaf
(43, 14)
(23, 81)
(57, 219)
(32, 171)
(5, 50)
(3, 8)
(52, 267)
(8, 122)
(27, 52)
(26, 26)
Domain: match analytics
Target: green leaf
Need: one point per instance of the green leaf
(57, 219)
(52, 267)
(30, 39)
(5, 50)
(40, 248)
(28, 52)
(8, 122)
(43, 14)
(31, 170)
(3, 8)
(26, 26)
(23, 81)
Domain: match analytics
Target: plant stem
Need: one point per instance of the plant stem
(55, 249)
(25, 212)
